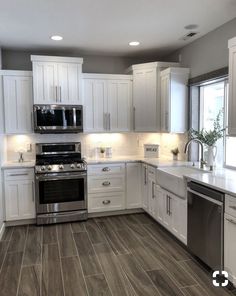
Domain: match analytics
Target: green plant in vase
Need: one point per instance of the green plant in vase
(175, 153)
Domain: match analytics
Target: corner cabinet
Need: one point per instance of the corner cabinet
(18, 100)
(107, 102)
(19, 192)
(57, 80)
(232, 88)
(174, 102)
(146, 95)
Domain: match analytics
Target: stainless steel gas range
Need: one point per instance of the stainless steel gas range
(60, 183)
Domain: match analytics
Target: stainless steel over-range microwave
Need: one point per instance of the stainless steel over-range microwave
(58, 118)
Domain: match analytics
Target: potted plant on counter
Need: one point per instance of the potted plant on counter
(175, 153)
(210, 137)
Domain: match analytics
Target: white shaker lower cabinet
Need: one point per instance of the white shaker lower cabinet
(144, 183)
(19, 194)
(18, 101)
(230, 237)
(133, 186)
(106, 187)
(171, 212)
(152, 191)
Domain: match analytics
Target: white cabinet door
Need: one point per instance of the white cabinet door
(144, 182)
(18, 104)
(68, 83)
(165, 94)
(118, 105)
(230, 246)
(45, 83)
(133, 185)
(26, 199)
(151, 191)
(12, 200)
(145, 100)
(159, 205)
(232, 91)
(95, 102)
(174, 100)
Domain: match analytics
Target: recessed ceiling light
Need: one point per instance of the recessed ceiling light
(191, 27)
(56, 38)
(134, 43)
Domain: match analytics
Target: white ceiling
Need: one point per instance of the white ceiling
(107, 26)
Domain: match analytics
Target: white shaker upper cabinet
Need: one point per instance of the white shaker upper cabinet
(107, 102)
(17, 95)
(174, 100)
(146, 95)
(57, 80)
(232, 87)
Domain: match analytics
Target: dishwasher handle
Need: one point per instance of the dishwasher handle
(220, 203)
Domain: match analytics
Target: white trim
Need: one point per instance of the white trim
(16, 73)
(232, 42)
(175, 70)
(115, 213)
(151, 66)
(56, 59)
(2, 230)
(106, 76)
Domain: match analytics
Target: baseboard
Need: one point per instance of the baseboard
(2, 230)
(20, 222)
(114, 213)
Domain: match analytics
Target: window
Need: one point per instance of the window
(212, 101)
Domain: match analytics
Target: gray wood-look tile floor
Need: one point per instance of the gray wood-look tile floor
(120, 255)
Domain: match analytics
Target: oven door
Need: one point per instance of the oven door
(58, 118)
(61, 192)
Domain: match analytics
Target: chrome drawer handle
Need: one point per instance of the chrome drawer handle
(106, 202)
(15, 175)
(106, 183)
(106, 169)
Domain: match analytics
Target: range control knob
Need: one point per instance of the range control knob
(61, 166)
(72, 166)
(49, 167)
(79, 165)
(43, 168)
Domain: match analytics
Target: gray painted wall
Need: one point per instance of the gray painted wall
(207, 53)
(20, 60)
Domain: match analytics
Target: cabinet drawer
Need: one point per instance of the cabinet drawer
(18, 174)
(105, 169)
(106, 202)
(110, 183)
(230, 205)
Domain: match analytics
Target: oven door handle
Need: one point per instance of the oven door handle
(61, 177)
(205, 197)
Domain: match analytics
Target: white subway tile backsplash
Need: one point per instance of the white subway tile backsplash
(121, 143)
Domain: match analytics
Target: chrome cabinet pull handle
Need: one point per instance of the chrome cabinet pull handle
(109, 117)
(134, 118)
(106, 202)
(167, 203)
(20, 174)
(106, 183)
(166, 121)
(60, 92)
(153, 184)
(170, 212)
(231, 221)
(106, 169)
(56, 94)
(33, 195)
(145, 176)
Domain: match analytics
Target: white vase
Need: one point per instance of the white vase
(211, 156)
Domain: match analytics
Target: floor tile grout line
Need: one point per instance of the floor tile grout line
(77, 252)
(6, 252)
(98, 257)
(22, 260)
(59, 253)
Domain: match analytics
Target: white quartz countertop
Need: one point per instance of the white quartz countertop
(221, 179)
(18, 165)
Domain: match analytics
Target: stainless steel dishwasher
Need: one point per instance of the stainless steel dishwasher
(205, 224)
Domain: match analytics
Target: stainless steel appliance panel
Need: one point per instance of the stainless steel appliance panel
(205, 224)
